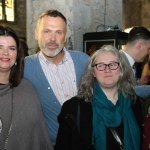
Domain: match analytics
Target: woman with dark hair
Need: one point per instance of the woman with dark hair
(22, 126)
(105, 114)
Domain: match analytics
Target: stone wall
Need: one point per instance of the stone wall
(20, 23)
(82, 15)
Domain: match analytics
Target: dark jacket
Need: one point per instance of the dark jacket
(22, 123)
(75, 131)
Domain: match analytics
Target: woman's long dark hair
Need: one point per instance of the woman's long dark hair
(16, 73)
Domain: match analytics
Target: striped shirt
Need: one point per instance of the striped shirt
(61, 77)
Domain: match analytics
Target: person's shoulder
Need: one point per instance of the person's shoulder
(31, 57)
(26, 84)
(27, 93)
(26, 88)
(74, 101)
(142, 90)
(31, 61)
(78, 53)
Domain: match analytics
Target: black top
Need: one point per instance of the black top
(75, 131)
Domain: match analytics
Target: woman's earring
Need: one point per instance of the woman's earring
(15, 63)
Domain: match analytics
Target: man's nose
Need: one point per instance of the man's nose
(53, 36)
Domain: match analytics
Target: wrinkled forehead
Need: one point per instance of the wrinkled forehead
(7, 39)
(48, 21)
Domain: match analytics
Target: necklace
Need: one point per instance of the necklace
(10, 126)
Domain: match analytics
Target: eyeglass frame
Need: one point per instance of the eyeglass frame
(107, 65)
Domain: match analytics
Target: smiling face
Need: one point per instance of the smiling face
(8, 53)
(51, 35)
(107, 78)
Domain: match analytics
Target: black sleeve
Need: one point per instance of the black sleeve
(75, 126)
(138, 112)
(67, 126)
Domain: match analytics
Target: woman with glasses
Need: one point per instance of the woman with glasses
(105, 114)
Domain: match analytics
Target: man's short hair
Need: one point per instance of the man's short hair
(53, 13)
(137, 33)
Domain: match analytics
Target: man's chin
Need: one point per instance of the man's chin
(51, 54)
(50, 48)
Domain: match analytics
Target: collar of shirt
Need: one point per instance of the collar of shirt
(43, 59)
(130, 59)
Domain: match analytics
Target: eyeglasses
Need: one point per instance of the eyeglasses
(111, 66)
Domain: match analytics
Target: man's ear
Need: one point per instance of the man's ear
(139, 44)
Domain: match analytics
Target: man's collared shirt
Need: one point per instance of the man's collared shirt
(131, 61)
(61, 77)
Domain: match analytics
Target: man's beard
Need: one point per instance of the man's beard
(52, 53)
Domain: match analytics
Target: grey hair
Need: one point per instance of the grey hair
(51, 13)
(125, 84)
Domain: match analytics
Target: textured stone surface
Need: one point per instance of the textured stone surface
(82, 15)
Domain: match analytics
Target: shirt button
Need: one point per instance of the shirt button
(49, 88)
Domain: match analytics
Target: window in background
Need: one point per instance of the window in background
(7, 10)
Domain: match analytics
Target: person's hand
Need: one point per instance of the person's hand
(144, 80)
